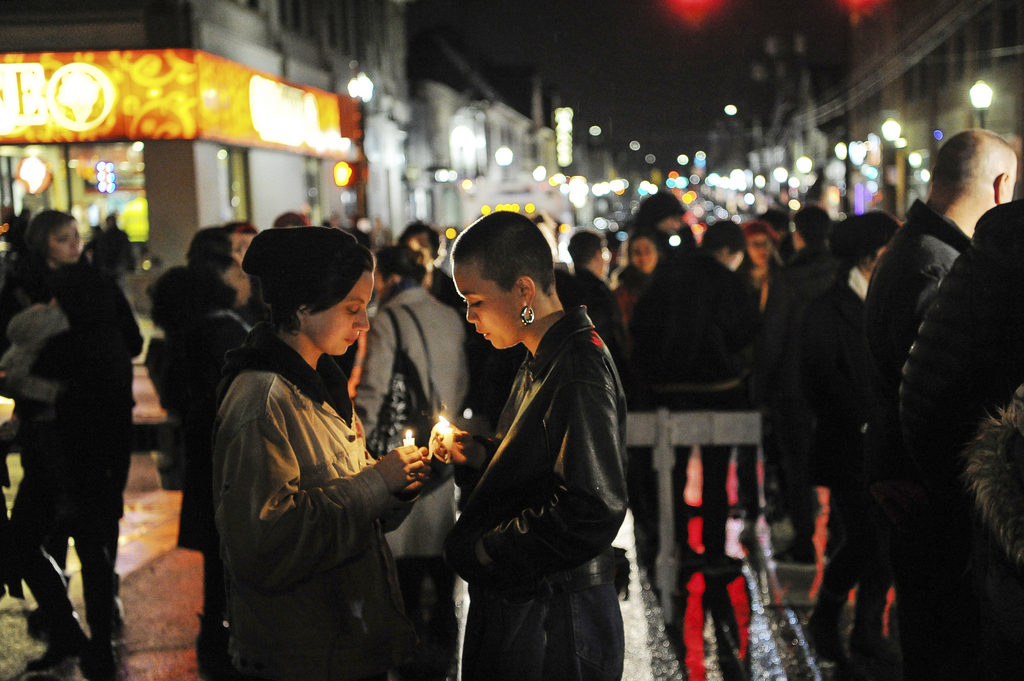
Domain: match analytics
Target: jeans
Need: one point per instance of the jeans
(568, 636)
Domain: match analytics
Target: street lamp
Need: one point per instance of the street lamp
(891, 130)
(981, 99)
(893, 199)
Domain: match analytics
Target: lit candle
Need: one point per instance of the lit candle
(409, 440)
(442, 437)
(6, 409)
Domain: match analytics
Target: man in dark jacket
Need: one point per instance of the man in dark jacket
(777, 368)
(836, 375)
(965, 364)
(974, 171)
(590, 258)
(691, 328)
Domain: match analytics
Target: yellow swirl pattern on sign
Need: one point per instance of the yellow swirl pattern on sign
(166, 94)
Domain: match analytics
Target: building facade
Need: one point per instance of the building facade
(181, 114)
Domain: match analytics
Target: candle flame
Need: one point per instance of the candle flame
(442, 422)
(408, 435)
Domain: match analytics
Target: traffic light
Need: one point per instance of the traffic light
(343, 174)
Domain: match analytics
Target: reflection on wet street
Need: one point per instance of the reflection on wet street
(742, 621)
(748, 620)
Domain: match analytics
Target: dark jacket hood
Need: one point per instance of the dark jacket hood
(264, 351)
(1000, 234)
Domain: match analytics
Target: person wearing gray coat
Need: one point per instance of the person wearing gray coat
(433, 338)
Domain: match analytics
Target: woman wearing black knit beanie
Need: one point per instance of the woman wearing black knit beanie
(300, 505)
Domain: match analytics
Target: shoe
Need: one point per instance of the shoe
(67, 641)
(97, 662)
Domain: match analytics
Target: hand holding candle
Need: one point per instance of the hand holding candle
(441, 440)
(6, 409)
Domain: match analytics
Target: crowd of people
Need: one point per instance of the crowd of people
(294, 357)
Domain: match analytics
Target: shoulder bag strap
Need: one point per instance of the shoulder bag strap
(426, 353)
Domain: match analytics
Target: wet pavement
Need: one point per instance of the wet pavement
(743, 623)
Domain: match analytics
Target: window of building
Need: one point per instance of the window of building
(331, 20)
(910, 84)
(1008, 25)
(940, 63)
(984, 44)
(923, 80)
(959, 54)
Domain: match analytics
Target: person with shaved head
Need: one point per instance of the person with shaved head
(974, 172)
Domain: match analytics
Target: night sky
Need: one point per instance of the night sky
(638, 68)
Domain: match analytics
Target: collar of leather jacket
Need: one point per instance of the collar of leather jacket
(575, 321)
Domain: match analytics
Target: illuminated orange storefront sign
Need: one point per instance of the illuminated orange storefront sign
(167, 94)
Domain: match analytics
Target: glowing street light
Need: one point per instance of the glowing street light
(503, 156)
(730, 109)
(981, 99)
(780, 174)
(361, 87)
(804, 164)
(891, 130)
(841, 151)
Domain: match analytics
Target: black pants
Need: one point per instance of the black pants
(862, 560)
(793, 425)
(569, 636)
(35, 515)
(939, 611)
(73, 485)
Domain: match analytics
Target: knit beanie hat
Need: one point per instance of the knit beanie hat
(295, 264)
(656, 208)
(724, 234)
(859, 236)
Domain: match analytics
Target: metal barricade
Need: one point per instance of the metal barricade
(664, 431)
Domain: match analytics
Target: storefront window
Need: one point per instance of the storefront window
(233, 176)
(108, 179)
(32, 179)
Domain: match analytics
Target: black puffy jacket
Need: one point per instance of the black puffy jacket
(968, 357)
(902, 287)
(552, 495)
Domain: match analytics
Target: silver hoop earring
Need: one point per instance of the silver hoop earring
(527, 315)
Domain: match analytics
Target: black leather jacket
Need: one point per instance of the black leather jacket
(552, 495)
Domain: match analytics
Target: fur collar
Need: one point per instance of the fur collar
(994, 475)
